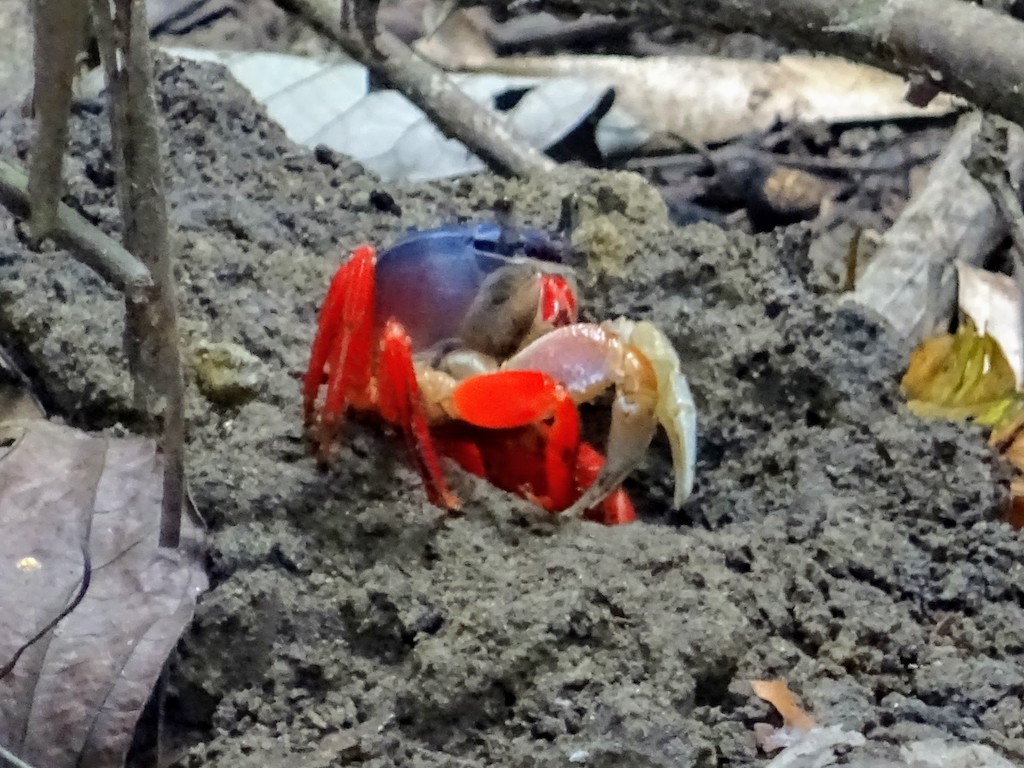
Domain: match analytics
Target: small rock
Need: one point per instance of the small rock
(227, 373)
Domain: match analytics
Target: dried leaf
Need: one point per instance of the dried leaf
(910, 281)
(777, 693)
(326, 102)
(89, 679)
(966, 375)
(960, 376)
(710, 99)
(993, 302)
(1015, 509)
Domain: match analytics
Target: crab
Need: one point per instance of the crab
(466, 338)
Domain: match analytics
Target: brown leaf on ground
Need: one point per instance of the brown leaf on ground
(89, 678)
(777, 693)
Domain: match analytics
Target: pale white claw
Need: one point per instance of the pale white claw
(675, 409)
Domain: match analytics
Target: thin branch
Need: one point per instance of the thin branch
(13, 759)
(987, 164)
(426, 86)
(151, 327)
(959, 47)
(83, 240)
(59, 36)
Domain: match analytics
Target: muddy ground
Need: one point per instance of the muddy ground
(832, 540)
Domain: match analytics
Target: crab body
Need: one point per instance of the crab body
(430, 280)
(466, 339)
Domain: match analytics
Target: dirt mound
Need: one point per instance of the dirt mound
(832, 540)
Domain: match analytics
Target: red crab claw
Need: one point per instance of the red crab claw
(343, 350)
(514, 399)
(525, 439)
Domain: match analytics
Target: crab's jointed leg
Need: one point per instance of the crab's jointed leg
(616, 508)
(342, 347)
(344, 350)
(400, 402)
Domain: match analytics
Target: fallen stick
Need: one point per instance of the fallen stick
(949, 45)
(425, 85)
(84, 241)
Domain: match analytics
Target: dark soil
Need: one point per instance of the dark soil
(833, 539)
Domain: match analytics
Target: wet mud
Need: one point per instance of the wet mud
(833, 540)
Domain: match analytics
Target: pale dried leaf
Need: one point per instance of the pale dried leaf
(318, 102)
(707, 99)
(88, 679)
(993, 302)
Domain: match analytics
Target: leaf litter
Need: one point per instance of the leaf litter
(64, 493)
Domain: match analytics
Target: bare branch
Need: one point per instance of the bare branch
(84, 241)
(987, 163)
(151, 332)
(426, 86)
(961, 47)
(59, 36)
(12, 759)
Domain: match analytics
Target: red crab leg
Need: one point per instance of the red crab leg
(510, 399)
(343, 345)
(400, 402)
(616, 509)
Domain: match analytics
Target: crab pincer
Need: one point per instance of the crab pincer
(639, 362)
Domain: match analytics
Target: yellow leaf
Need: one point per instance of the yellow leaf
(961, 376)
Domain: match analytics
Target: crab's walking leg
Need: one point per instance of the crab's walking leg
(511, 399)
(400, 402)
(343, 346)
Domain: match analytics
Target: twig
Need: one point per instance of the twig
(426, 86)
(963, 48)
(13, 759)
(59, 36)
(83, 240)
(6, 669)
(699, 161)
(524, 33)
(151, 332)
(987, 164)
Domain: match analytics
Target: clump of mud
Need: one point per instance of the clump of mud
(832, 540)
